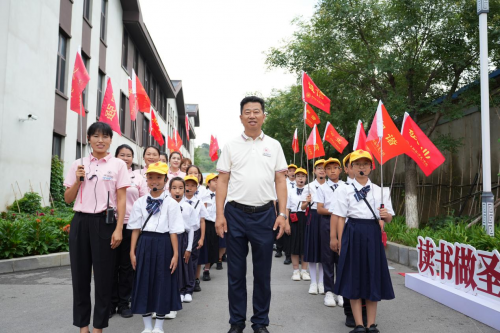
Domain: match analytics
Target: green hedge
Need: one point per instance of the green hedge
(451, 230)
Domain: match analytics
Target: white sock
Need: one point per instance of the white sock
(320, 273)
(295, 271)
(303, 270)
(159, 324)
(148, 322)
(312, 271)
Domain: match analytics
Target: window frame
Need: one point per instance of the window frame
(61, 63)
(121, 115)
(104, 12)
(100, 92)
(87, 10)
(125, 49)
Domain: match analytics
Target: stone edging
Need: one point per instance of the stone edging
(34, 262)
(402, 254)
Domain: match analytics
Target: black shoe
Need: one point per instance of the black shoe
(287, 261)
(224, 258)
(359, 329)
(365, 321)
(219, 266)
(278, 254)
(197, 285)
(300, 261)
(373, 329)
(206, 276)
(261, 330)
(235, 329)
(125, 312)
(350, 322)
(112, 312)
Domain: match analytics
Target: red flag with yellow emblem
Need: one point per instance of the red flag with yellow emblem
(78, 83)
(422, 150)
(314, 146)
(311, 118)
(312, 95)
(109, 113)
(155, 129)
(170, 144)
(331, 135)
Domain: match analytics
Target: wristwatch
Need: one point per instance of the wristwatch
(283, 214)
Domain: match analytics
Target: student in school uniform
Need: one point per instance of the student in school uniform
(209, 253)
(363, 272)
(297, 218)
(124, 273)
(156, 219)
(164, 157)
(150, 155)
(175, 165)
(329, 258)
(283, 243)
(201, 191)
(290, 179)
(312, 234)
(185, 239)
(185, 162)
(348, 169)
(199, 235)
(95, 234)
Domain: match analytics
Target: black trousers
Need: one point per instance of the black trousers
(124, 273)
(90, 250)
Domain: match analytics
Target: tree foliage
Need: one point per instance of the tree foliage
(202, 160)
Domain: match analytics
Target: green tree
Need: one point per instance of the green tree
(202, 160)
(407, 53)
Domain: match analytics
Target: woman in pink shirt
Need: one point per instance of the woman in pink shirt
(151, 155)
(175, 166)
(124, 273)
(97, 186)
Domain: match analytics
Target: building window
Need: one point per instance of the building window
(86, 9)
(61, 63)
(133, 128)
(136, 61)
(162, 148)
(57, 145)
(100, 89)
(146, 80)
(86, 62)
(78, 150)
(121, 116)
(125, 49)
(104, 5)
(152, 92)
(145, 132)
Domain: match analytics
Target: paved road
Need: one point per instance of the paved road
(41, 301)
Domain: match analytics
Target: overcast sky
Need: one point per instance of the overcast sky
(217, 49)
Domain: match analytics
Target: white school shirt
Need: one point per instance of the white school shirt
(325, 192)
(291, 183)
(252, 165)
(349, 180)
(295, 200)
(190, 217)
(202, 193)
(200, 209)
(312, 187)
(211, 207)
(168, 219)
(345, 204)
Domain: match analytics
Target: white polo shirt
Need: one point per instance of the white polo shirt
(252, 165)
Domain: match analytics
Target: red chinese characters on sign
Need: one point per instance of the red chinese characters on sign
(473, 271)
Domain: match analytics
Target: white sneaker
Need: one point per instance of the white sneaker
(305, 276)
(157, 330)
(147, 331)
(321, 288)
(171, 315)
(182, 298)
(329, 299)
(313, 289)
(296, 276)
(188, 298)
(340, 300)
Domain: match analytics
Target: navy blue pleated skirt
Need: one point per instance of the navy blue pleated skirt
(312, 237)
(297, 230)
(182, 267)
(155, 288)
(363, 271)
(209, 252)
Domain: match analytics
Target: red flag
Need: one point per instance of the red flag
(78, 83)
(331, 135)
(360, 140)
(314, 146)
(171, 144)
(295, 143)
(143, 100)
(154, 129)
(187, 127)
(214, 148)
(312, 95)
(132, 97)
(109, 113)
(422, 150)
(393, 143)
(311, 118)
(178, 141)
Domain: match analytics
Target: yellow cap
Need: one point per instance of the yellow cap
(332, 160)
(299, 170)
(360, 153)
(346, 159)
(210, 177)
(158, 167)
(321, 161)
(293, 166)
(191, 178)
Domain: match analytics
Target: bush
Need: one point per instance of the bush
(30, 203)
(56, 180)
(449, 230)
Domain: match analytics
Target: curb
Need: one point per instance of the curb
(34, 262)
(402, 254)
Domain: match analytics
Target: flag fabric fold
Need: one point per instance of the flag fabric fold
(170, 144)
(295, 143)
(334, 138)
(314, 147)
(154, 129)
(178, 141)
(109, 113)
(187, 127)
(422, 150)
(312, 95)
(143, 101)
(360, 140)
(214, 149)
(310, 117)
(132, 97)
(78, 83)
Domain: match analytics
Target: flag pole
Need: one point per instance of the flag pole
(381, 176)
(80, 118)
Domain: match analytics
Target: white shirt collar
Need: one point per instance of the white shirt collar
(359, 186)
(246, 137)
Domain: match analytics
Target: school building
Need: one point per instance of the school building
(39, 41)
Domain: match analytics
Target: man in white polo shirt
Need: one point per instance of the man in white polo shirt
(252, 171)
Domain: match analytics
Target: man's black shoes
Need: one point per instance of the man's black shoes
(235, 329)
(261, 330)
(125, 312)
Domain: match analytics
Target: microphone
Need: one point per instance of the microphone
(156, 189)
(321, 178)
(177, 196)
(188, 191)
(361, 173)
